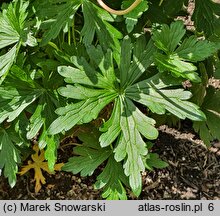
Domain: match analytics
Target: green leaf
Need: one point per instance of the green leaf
(51, 150)
(112, 127)
(111, 180)
(153, 161)
(81, 112)
(13, 32)
(142, 59)
(177, 55)
(15, 101)
(133, 16)
(131, 146)
(195, 50)
(12, 23)
(105, 63)
(91, 155)
(85, 75)
(172, 7)
(206, 16)
(153, 94)
(42, 117)
(94, 85)
(126, 51)
(64, 16)
(7, 60)
(209, 129)
(25, 92)
(9, 157)
(177, 67)
(168, 38)
(92, 100)
(94, 23)
(36, 122)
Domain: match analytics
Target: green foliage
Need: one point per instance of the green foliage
(69, 63)
(177, 57)
(132, 17)
(14, 32)
(11, 146)
(97, 86)
(91, 155)
(209, 130)
(153, 161)
(206, 17)
(111, 180)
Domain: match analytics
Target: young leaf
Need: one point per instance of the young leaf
(195, 50)
(168, 38)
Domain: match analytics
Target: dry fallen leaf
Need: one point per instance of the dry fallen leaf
(37, 164)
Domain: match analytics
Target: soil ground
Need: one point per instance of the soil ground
(193, 173)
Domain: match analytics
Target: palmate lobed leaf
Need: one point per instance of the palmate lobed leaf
(16, 101)
(127, 125)
(168, 38)
(91, 155)
(178, 55)
(40, 120)
(18, 93)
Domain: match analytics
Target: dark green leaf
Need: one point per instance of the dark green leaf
(111, 180)
(209, 129)
(153, 161)
(9, 157)
(91, 155)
